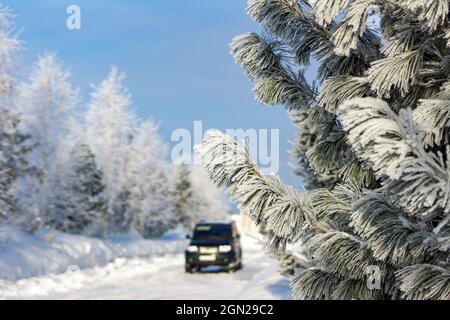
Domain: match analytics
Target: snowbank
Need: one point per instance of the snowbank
(47, 251)
(158, 277)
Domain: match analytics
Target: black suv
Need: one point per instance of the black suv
(214, 244)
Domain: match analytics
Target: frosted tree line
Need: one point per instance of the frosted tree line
(95, 172)
(373, 147)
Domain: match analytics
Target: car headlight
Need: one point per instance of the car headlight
(225, 248)
(192, 249)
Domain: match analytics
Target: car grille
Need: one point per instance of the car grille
(208, 250)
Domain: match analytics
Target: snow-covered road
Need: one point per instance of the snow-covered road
(160, 277)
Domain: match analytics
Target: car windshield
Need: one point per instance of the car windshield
(212, 232)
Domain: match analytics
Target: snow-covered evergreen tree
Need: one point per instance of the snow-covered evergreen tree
(131, 155)
(12, 151)
(7, 172)
(148, 182)
(10, 45)
(381, 117)
(80, 205)
(120, 214)
(13, 165)
(195, 198)
(182, 196)
(155, 217)
(110, 127)
(209, 202)
(45, 103)
(7, 121)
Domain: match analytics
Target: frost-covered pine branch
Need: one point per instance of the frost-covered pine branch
(346, 36)
(307, 137)
(273, 84)
(434, 117)
(433, 13)
(398, 72)
(392, 236)
(328, 10)
(263, 199)
(340, 88)
(394, 146)
(425, 282)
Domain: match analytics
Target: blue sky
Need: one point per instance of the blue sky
(175, 54)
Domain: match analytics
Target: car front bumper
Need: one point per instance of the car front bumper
(217, 259)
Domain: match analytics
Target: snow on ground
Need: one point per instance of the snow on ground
(23, 255)
(152, 277)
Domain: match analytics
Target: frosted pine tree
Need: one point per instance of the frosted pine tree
(182, 197)
(381, 115)
(80, 203)
(208, 202)
(13, 165)
(110, 127)
(195, 198)
(8, 122)
(10, 45)
(148, 182)
(45, 104)
(12, 151)
(7, 164)
(155, 217)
